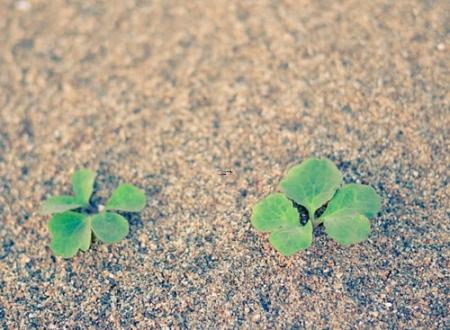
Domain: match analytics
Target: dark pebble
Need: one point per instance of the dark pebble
(347, 109)
(265, 303)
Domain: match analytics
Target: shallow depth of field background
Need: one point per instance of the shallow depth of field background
(162, 94)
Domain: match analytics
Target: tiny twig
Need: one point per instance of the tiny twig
(225, 172)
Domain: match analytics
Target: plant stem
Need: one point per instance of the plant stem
(317, 222)
(311, 215)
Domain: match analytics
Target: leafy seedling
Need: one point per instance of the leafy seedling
(72, 231)
(312, 184)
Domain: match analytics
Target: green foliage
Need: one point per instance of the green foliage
(287, 241)
(346, 217)
(59, 204)
(274, 212)
(83, 185)
(72, 231)
(109, 227)
(126, 198)
(356, 197)
(312, 184)
(276, 215)
(348, 228)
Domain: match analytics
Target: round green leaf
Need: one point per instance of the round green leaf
(126, 197)
(357, 197)
(59, 204)
(312, 183)
(83, 185)
(289, 240)
(347, 227)
(70, 231)
(109, 227)
(274, 212)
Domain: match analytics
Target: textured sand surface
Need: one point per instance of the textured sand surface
(162, 94)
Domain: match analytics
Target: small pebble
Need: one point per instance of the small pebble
(23, 5)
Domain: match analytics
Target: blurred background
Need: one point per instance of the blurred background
(163, 94)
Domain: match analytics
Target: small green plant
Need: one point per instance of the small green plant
(312, 184)
(72, 231)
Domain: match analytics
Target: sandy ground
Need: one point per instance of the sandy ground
(164, 93)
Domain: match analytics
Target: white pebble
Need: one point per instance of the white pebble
(23, 5)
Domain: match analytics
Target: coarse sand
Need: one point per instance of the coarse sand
(163, 94)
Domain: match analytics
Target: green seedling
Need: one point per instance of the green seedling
(312, 184)
(72, 231)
